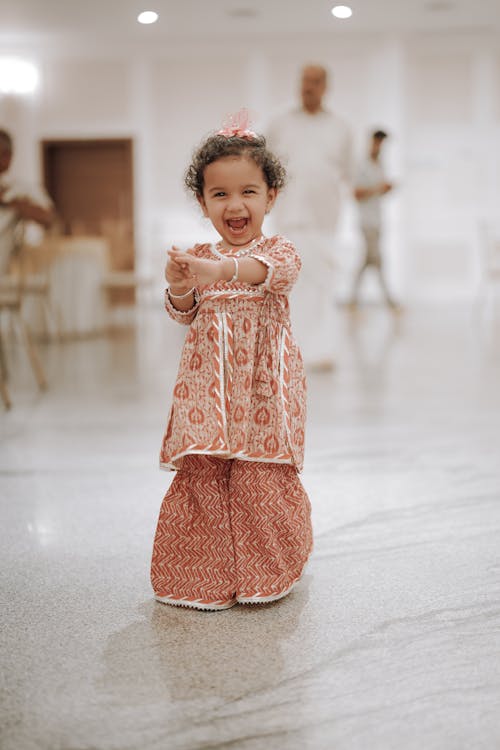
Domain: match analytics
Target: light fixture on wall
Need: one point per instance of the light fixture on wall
(341, 11)
(148, 16)
(17, 76)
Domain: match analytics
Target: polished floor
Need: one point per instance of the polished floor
(391, 641)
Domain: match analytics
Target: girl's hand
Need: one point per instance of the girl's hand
(177, 274)
(199, 270)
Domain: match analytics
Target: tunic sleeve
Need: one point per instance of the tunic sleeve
(283, 264)
(185, 317)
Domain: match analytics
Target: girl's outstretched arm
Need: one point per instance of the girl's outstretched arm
(203, 271)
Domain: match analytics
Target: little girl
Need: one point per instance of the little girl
(235, 526)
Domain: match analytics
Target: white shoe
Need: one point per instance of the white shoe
(197, 603)
(256, 599)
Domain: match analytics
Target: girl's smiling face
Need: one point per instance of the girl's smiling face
(236, 198)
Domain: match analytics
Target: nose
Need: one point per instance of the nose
(235, 202)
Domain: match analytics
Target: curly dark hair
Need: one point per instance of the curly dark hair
(219, 146)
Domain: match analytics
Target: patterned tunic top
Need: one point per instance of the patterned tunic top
(240, 388)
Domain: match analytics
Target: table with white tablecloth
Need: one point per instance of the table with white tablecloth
(73, 272)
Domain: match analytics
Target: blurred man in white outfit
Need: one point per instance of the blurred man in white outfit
(370, 185)
(316, 146)
(19, 203)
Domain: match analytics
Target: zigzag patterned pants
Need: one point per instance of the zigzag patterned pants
(231, 529)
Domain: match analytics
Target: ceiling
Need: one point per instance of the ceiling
(23, 20)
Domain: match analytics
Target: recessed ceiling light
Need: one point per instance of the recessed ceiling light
(341, 11)
(148, 16)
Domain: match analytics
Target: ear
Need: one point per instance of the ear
(202, 203)
(272, 194)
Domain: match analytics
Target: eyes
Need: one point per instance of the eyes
(223, 194)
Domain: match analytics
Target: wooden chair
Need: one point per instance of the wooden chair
(11, 300)
(34, 266)
(121, 284)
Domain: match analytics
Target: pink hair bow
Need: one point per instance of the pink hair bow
(237, 125)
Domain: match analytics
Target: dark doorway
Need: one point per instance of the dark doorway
(91, 184)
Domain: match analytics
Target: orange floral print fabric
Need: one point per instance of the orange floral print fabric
(240, 388)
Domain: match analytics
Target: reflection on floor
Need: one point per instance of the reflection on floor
(389, 641)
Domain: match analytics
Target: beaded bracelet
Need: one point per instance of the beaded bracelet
(180, 296)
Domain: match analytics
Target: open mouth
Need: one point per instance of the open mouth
(237, 225)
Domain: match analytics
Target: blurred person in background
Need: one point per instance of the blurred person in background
(316, 145)
(370, 185)
(19, 203)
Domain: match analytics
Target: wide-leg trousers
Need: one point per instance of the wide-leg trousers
(230, 531)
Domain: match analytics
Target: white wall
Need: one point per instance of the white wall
(438, 96)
